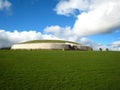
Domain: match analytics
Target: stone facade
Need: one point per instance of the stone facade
(41, 46)
(49, 46)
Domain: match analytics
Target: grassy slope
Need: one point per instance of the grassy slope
(59, 70)
(49, 41)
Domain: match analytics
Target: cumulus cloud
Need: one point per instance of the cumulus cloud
(5, 4)
(8, 38)
(53, 29)
(94, 45)
(61, 32)
(115, 45)
(95, 16)
(67, 7)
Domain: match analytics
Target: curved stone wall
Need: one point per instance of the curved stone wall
(40, 46)
(50, 46)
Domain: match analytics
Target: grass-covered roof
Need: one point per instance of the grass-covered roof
(49, 41)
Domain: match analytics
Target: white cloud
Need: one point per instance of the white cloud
(8, 38)
(66, 7)
(94, 45)
(104, 18)
(116, 44)
(95, 16)
(53, 29)
(5, 4)
(60, 32)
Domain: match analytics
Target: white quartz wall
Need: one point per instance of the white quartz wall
(40, 46)
(48, 46)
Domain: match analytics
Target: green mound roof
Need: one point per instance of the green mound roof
(49, 41)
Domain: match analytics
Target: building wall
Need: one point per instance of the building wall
(50, 46)
(40, 46)
(81, 47)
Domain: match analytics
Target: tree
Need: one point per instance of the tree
(107, 49)
(100, 49)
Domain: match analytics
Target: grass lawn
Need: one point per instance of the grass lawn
(59, 70)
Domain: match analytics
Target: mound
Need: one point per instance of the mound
(49, 41)
(50, 45)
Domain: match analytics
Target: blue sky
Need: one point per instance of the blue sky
(32, 14)
(91, 22)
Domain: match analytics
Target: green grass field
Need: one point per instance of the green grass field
(59, 70)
